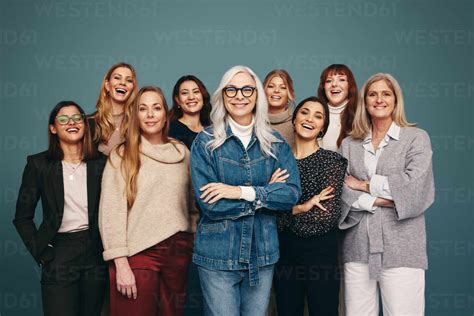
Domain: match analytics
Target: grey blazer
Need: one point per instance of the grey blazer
(390, 237)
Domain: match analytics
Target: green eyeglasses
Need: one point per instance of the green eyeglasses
(64, 119)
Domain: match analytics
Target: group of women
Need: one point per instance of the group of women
(253, 190)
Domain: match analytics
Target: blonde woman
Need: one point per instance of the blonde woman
(388, 188)
(280, 95)
(117, 93)
(144, 214)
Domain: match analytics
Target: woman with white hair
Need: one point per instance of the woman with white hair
(242, 173)
(388, 188)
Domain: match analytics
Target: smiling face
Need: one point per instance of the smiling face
(120, 85)
(277, 95)
(151, 116)
(336, 88)
(241, 108)
(380, 101)
(309, 120)
(190, 98)
(72, 132)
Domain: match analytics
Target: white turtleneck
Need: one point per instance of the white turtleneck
(329, 140)
(244, 133)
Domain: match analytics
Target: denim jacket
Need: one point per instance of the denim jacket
(237, 234)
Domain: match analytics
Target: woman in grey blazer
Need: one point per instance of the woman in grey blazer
(388, 187)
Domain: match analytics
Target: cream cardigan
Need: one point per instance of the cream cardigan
(162, 205)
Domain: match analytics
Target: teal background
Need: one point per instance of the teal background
(54, 50)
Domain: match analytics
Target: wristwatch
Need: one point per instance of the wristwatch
(367, 186)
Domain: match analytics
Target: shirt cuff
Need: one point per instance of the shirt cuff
(248, 193)
(379, 187)
(365, 202)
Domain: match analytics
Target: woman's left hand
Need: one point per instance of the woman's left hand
(213, 192)
(355, 184)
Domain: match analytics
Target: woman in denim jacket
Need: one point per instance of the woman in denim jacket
(242, 173)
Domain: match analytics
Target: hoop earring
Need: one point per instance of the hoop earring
(320, 134)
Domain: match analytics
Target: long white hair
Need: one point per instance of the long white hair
(219, 114)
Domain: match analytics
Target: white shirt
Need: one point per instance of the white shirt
(378, 184)
(329, 141)
(76, 215)
(244, 133)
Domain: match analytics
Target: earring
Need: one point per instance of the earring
(320, 134)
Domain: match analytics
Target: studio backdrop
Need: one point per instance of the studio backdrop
(54, 50)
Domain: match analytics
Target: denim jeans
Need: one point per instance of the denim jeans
(229, 292)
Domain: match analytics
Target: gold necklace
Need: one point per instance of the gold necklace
(73, 167)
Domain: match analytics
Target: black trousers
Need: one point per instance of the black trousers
(73, 283)
(307, 271)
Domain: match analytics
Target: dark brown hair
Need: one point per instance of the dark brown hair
(347, 116)
(326, 113)
(204, 115)
(55, 152)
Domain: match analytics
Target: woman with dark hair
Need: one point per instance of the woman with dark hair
(67, 244)
(244, 173)
(308, 267)
(338, 88)
(117, 93)
(189, 115)
(191, 108)
(144, 214)
(280, 95)
(387, 190)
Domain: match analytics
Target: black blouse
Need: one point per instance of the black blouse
(182, 133)
(317, 171)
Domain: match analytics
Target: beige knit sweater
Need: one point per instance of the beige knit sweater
(162, 206)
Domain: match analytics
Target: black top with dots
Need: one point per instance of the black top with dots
(319, 170)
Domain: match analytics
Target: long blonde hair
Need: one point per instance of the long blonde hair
(104, 122)
(362, 122)
(129, 150)
(219, 113)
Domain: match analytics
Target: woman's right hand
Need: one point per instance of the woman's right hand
(125, 278)
(280, 175)
(314, 201)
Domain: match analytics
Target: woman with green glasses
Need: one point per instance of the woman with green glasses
(67, 246)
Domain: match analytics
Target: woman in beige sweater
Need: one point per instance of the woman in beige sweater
(144, 214)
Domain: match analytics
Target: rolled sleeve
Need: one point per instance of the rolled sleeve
(248, 193)
(365, 202)
(379, 187)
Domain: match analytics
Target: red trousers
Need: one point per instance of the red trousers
(161, 277)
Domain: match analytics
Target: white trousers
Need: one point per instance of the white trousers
(402, 291)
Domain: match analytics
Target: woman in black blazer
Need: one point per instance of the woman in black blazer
(67, 244)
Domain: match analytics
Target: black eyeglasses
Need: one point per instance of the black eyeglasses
(64, 119)
(246, 91)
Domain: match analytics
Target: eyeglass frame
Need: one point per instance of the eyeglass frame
(224, 91)
(69, 118)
